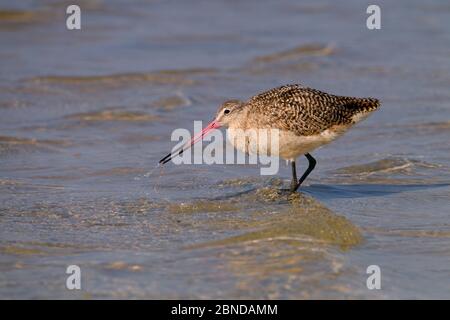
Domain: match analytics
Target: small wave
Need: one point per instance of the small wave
(300, 51)
(11, 145)
(117, 171)
(411, 233)
(202, 206)
(389, 165)
(172, 102)
(17, 16)
(176, 77)
(445, 125)
(112, 115)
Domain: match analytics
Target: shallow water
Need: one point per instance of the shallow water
(86, 115)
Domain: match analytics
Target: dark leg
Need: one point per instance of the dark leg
(294, 182)
(311, 165)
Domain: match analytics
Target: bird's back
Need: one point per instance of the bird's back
(305, 111)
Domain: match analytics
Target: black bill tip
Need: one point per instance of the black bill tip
(165, 159)
(169, 157)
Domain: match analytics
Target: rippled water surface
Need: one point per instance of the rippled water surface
(86, 115)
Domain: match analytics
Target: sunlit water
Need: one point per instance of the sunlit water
(86, 115)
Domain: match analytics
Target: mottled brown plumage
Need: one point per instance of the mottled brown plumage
(297, 118)
(304, 118)
(304, 111)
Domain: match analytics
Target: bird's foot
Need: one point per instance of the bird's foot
(293, 188)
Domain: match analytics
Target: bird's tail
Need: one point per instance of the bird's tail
(358, 109)
(362, 105)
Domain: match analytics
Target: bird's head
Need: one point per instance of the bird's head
(228, 112)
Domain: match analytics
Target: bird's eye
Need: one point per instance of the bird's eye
(226, 111)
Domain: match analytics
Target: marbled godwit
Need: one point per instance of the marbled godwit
(305, 119)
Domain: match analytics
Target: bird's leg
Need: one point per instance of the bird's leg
(311, 165)
(294, 182)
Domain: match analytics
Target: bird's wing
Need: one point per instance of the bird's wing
(306, 111)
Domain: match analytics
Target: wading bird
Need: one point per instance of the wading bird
(304, 118)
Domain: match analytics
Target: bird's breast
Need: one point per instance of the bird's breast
(254, 140)
(281, 143)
